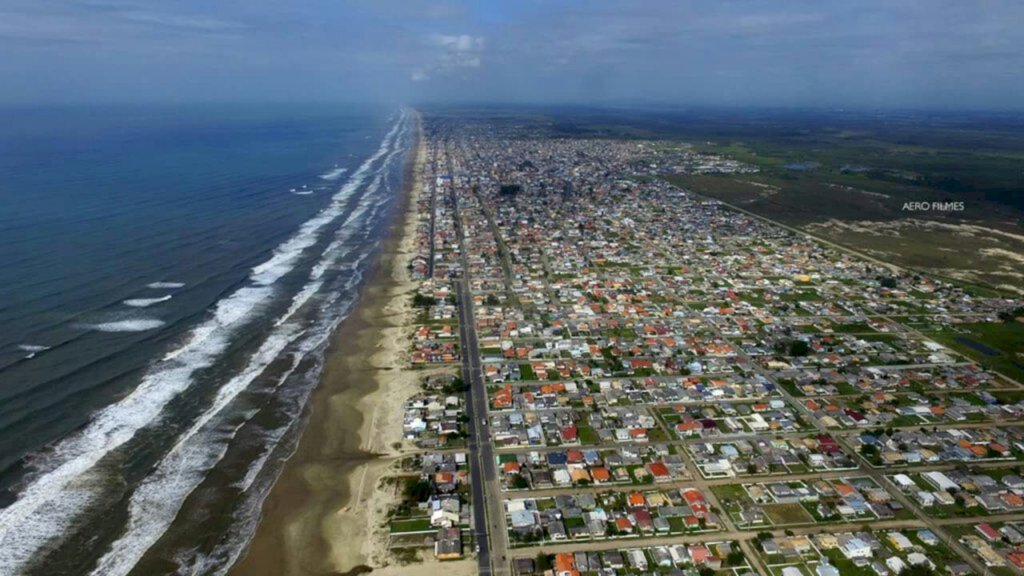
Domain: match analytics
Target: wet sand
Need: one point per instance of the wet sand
(327, 512)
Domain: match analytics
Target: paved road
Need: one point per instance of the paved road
(741, 536)
(488, 513)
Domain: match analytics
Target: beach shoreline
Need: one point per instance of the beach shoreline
(327, 512)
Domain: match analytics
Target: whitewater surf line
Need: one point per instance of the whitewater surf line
(45, 507)
(145, 302)
(165, 285)
(334, 174)
(156, 502)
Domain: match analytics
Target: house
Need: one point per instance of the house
(990, 533)
(855, 548)
(661, 556)
(622, 524)
(613, 560)
(523, 566)
(918, 559)
(448, 543)
(699, 554)
(940, 480)
(895, 564)
(444, 518)
(904, 482)
(825, 569)
(900, 542)
(564, 563)
(659, 471)
(637, 559)
(523, 519)
(924, 498)
(927, 537)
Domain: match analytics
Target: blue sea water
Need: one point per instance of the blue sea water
(168, 280)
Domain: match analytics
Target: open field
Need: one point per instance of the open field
(998, 346)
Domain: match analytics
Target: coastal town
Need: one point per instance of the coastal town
(623, 377)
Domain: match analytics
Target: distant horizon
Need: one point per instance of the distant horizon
(644, 106)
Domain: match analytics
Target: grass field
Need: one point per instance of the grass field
(787, 514)
(995, 345)
(852, 185)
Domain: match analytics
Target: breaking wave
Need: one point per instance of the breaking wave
(334, 174)
(165, 285)
(132, 325)
(145, 302)
(64, 488)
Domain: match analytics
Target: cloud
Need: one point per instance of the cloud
(178, 21)
(907, 53)
(451, 54)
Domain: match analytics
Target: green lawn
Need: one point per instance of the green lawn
(414, 525)
(587, 435)
(526, 372)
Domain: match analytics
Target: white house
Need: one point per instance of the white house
(895, 564)
(856, 548)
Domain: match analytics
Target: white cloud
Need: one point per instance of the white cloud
(452, 53)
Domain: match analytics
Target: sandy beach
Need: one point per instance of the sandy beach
(327, 512)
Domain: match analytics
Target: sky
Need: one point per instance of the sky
(960, 54)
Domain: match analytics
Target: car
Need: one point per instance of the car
(477, 548)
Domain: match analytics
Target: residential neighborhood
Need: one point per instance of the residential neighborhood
(650, 381)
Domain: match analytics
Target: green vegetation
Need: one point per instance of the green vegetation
(526, 372)
(995, 345)
(587, 435)
(784, 514)
(413, 525)
(422, 300)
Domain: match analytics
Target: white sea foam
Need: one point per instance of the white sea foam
(165, 285)
(156, 502)
(334, 174)
(32, 348)
(284, 257)
(47, 505)
(216, 562)
(145, 302)
(128, 325)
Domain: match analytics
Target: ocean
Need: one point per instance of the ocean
(169, 279)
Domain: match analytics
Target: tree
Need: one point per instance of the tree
(1011, 315)
(735, 557)
(418, 491)
(799, 348)
(422, 301)
(542, 562)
